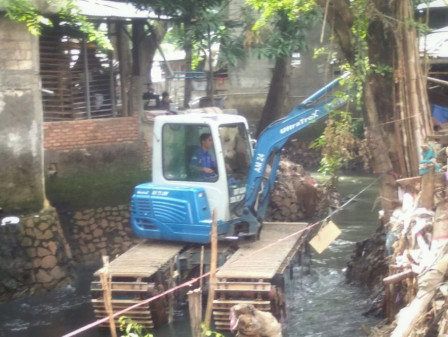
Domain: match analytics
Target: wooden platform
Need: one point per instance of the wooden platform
(138, 274)
(440, 137)
(251, 274)
(266, 257)
(143, 260)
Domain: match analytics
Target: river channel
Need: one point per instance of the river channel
(320, 302)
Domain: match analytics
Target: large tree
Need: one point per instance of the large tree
(396, 109)
(277, 34)
(185, 14)
(379, 42)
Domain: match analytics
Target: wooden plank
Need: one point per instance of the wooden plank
(143, 287)
(115, 301)
(266, 257)
(227, 304)
(147, 323)
(101, 312)
(221, 314)
(139, 310)
(143, 260)
(442, 139)
(222, 325)
(243, 286)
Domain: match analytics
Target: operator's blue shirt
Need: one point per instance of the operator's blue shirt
(201, 158)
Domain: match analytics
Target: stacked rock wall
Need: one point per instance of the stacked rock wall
(34, 255)
(96, 232)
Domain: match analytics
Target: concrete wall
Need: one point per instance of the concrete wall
(34, 254)
(21, 173)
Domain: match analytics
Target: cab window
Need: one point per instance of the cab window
(183, 156)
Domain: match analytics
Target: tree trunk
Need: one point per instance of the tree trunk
(381, 161)
(340, 18)
(210, 81)
(123, 51)
(150, 43)
(410, 85)
(396, 110)
(278, 91)
(188, 47)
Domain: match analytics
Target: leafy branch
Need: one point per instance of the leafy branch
(132, 329)
(25, 11)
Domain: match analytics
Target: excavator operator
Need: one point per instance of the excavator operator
(202, 164)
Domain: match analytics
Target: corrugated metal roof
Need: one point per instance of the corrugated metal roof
(114, 9)
(433, 4)
(435, 43)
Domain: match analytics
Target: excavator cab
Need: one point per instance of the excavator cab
(178, 203)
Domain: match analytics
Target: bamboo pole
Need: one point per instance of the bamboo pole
(201, 271)
(171, 296)
(438, 81)
(195, 308)
(213, 263)
(398, 277)
(427, 190)
(105, 282)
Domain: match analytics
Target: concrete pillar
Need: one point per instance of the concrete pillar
(21, 153)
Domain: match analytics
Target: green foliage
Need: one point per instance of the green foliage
(176, 36)
(209, 333)
(25, 11)
(132, 329)
(211, 29)
(179, 10)
(336, 143)
(70, 13)
(382, 70)
(282, 26)
(422, 29)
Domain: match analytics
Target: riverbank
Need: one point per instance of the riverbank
(405, 261)
(321, 303)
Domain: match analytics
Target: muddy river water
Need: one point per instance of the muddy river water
(320, 302)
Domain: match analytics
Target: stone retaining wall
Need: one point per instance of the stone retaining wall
(34, 255)
(93, 233)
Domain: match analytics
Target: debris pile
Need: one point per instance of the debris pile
(297, 196)
(415, 287)
(300, 152)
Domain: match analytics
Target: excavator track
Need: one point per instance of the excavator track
(251, 274)
(138, 274)
(255, 271)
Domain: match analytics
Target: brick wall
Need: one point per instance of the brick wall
(80, 134)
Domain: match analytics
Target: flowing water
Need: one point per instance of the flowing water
(323, 303)
(320, 302)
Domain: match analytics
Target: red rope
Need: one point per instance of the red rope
(148, 300)
(169, 291)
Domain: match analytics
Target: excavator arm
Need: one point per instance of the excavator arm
(263, 170)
